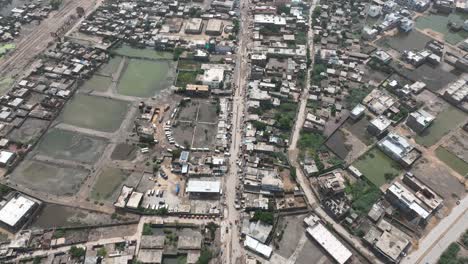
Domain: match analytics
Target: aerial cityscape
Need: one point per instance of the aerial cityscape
(233, 131)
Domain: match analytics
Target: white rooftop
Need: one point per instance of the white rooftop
(200, 186)
(134, 200)
(5, 156)
(330, 243)
(15, 209)
(258, 247)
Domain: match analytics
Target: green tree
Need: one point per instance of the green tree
(266, 217)
(205, 256)
(147, 230)
(55, 4)
(102, 252)
(77, 252)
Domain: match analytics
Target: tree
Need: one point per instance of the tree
(102, 252)
(147, 230)
(205, 256)
(266, 217)
(77, 252)
(55, 4)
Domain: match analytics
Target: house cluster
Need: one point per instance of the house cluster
(41, 95)
(162, 24)
(10, 25)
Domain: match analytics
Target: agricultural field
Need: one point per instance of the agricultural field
(377, 167)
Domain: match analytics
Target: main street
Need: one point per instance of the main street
(233, 251)
(447, 231)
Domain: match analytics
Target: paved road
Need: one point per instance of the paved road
(233, 252)
(446, 232)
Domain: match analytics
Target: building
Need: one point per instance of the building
(213, 78)
(379, 125)
(429, 197)
(398, 148)
(406, 201)
(6, 158)
(331, 183)
(203, 188)
(330, 243)
(357, 112)
(419, 120)
(17, 210)
(256, 229)
(456, 91)
(134, 200)
(262, 20)
(214, 27)
(194, 26)
(387, 244)
(374, 11)
(257, 247)
(197, 90)
(406, 25)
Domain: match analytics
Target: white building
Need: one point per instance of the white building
(212, 77)
(330, 243)
(6, 158)
(16, 211)
(203, 187)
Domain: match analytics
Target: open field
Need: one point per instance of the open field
(444, 122)
(48, 178)
(94, 112)
(452, 161)
(438, 23)
(204, 136)
(111, 66)
(435, 77)
(412, 40)
(108, 180)
(98, 83)
(440, 180)
(53, 215)
(359, 130)
(62, 144)
(377, 167)
(124, 151)
(144, 78)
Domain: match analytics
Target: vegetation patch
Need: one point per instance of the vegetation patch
(377, 167)
(364, 195)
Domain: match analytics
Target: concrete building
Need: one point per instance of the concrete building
(387, 244)
(203, 188)
(331, 183)
(329, 243)
(6, 158)
(197, 90)
(256, 229)
(379, 125)
(214, 27)
(17, 210)
(428, 196)
(134, 200)
(419, 120)
(398, 148)
(213, 78)
(261, 20)
(194, 26)
(406, 201)
(257, 247)
(357, 112)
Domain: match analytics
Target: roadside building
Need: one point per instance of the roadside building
(198, 90)
(213, 78)
(135, 200)
(203, 188)
(405, 200)
(419, 120)
(257, 247)
(387, 244)
(329, 243)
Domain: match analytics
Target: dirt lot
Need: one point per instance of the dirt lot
(204, 136)
(440, 180)
(29, 132)
(48, 178)
(359, 130)
(458, 145)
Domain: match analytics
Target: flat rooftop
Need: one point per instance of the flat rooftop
(330, 243)
(200, 186)
(15, 209)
